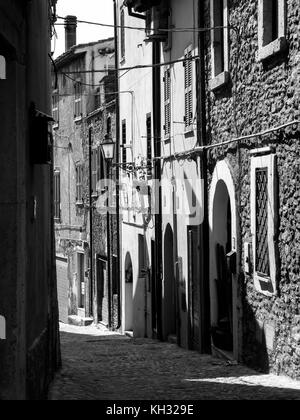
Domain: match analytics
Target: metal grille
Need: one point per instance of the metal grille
(262, 247)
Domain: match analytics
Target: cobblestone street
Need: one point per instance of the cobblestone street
(100, 365)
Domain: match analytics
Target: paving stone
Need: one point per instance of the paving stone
(101, 365)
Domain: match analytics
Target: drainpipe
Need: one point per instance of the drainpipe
(118, 122)
(202, 140)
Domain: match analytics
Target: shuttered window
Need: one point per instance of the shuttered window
(124, 142)
(188, 89)
(79, 183)
(149, 144)
(94, 171)
(123, 51)
(57, 195)
(167, 103)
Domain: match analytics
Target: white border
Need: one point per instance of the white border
(269, 162)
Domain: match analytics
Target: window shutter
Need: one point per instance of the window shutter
(188, 89)
(167, 94)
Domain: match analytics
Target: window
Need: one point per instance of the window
(2, 68)
(219, 44)
(55, 106)
(122, 35)
(57, 197)
(188, 89)
(124, 142)
(108, 125)
(149, 144)
(263, 220)
(79, 183)
(78, 100)
(94, 171)
(167, 103)
(271, 28)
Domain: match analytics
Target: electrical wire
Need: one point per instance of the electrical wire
(137, 28)
(138, 67)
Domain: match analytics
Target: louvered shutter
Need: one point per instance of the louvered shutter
(188, 89)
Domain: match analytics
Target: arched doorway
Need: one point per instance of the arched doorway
(169, 299)
(128, 293)
(223, 262)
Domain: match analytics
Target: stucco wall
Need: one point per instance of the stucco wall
(28, 298)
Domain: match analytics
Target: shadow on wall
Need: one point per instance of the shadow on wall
(257, 336)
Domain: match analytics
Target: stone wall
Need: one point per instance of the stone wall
(98, 123)
(261, 96)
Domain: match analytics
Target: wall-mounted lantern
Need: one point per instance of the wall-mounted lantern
(108, 147)
(40, 137)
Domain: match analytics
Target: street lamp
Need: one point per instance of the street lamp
(108, 147)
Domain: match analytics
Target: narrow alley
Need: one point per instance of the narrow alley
(100, 365)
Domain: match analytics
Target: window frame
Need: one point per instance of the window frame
(269, 47)
(94, 179)
(78, 100)
(55, 108)
(260, 159)
(79, 183)
(219, 79)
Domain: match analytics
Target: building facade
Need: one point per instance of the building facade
(29, 342)
(83, 104)
(214, 263)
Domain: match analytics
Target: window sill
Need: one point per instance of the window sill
(188, 131)
(78, 119)
(269, 51)
(219, 81)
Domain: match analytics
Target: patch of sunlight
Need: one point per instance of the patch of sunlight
(270, 381)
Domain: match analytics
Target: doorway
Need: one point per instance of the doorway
(170, 308)
(102, 291)
(223, 263)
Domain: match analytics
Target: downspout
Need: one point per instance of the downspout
(119, 237)
(202, 140)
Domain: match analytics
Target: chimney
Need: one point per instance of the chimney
(70, 31)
